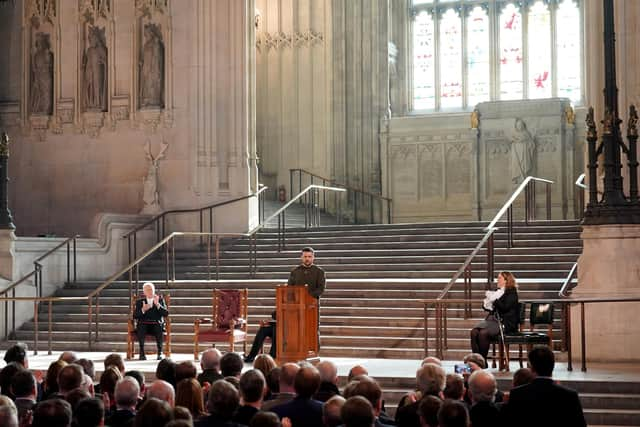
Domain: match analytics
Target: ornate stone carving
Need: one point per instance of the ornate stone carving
(151, 197)
(92, 123)
(39, 124)
(95, 9)
(152, 68)
(95, 71)
(41, 96)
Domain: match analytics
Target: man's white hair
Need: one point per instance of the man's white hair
(149, 285)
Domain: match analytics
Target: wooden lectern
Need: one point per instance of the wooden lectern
(297, 324)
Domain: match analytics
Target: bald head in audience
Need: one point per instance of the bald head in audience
(127, 393)
(430, 380)
(210, 359)
(356, 371)
(68, 356)
(307, 382)
(162, 390)
(482, 387)
(288, 377)
(69, 378)
(431, 359)
(328, 371)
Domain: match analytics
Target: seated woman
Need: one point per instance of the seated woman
(501, 304)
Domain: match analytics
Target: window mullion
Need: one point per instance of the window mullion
(494, 49)
(465, 68)
(553, 8)
(524, 12)
(436, 59)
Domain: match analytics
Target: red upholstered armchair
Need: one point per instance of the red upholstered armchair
(229, 322)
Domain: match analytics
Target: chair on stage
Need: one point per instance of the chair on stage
(132, 336)
(539, 314)
(228, 323)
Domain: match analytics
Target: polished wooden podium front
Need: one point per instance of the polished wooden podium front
(297, 325)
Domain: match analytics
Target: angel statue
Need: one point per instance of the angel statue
(150, 195)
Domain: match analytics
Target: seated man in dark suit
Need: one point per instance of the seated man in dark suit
(542, 401)
(303, 411)
(150, 313)
(25, 390)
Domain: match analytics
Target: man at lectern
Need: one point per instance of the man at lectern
(307, 273)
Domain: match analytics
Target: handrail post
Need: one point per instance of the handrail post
(306, 210)
(89, 315)
(426, 329)
(129, 248)
(135, 245)
(567, 326)
(490, 264)
(355, 207)
(75, 259)
(201, 230)
(173, 260)
(13, 312)
(291, 172)
(166, 266)
(217, 249)
(583, 338)
(548, 201)
(510, 227)
(50, 327)
(389, 211)
(68, 262)
(209, 257)
(211, 216)
(36, 332)
(299, 184)
(533, 197)
(467, 291)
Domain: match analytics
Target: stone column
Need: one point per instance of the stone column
(7, 236)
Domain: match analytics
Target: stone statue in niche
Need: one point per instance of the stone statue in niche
(523, 150)
(41, 96)
(152, 68)
(150, 195)
(95, 71)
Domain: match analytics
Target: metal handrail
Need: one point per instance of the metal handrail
(580, 181)
(159, 220)
(332, 182)
(488, 237)
(564, 289)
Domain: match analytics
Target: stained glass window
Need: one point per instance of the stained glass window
(424, 91)
(450, 60)
(471, 51)
(478, 68)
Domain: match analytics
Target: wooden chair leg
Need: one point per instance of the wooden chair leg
(231, 344)
(196, 350)
(520, 354)
(506, 357)
(493, 362)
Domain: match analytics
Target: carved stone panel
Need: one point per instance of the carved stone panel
(404, 164)
(458, 169)
(431, 169)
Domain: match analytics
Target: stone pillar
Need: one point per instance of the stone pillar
(7, 236)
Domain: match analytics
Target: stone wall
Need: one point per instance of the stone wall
(126, 106)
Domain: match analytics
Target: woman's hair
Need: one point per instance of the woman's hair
(51, 380)
(189, 395)
(510, 280)
(264, 363)
(108, 381)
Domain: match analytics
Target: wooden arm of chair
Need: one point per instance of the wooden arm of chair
(130, 326)
(202, 320)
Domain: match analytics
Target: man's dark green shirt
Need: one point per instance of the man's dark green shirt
(312, 276)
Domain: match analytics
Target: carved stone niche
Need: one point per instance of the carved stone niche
(96, 71)
(151, 89)
(41, 50)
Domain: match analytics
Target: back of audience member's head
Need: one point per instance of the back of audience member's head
(453, 413)
(6, 376)
(431, 359)
(23, 384)
(231, 365)
(186, 369)
(70, 377)
(153, 413)
(52, 413)
(75, 396)
(328, 371)
(252, 386)
(265, 419)
(88, 367)
(307, 382)
(68, 356)
(89, 412)
(166, 371)
(210, 359)
(223, 400)
(189, 395)
(87, 384)
(428, 410)
(430, 379)
(17, 353)
(234, 381)
(542, 361)
(114, 359)
(475, 359)
(139, 377)
(127, 392)
(51, 380)
(109, 379)
(288, 377)
(357, 412)
(6, 401)
(264, 363)
(522, 376)
(356, 371)
(273, 380)
(180, 413)
(454, 388)
(332, 411)
(366, 387)
(8, 416)
(482, 387)
(162, 390)
(179, 423)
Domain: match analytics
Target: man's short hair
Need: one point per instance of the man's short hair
(136, 375)
(328, 371)
(331, 411)
(522, 376)
(162, 390)
(8, 417)
(265, 419)
(127, 392)
(430, 379)
(149, 285)
(70, 377)
(153, 413)
(252, 386)
(186, 369)
(477, 359)
(23, 383)
(453, 413)
(307, 382)
(210, 359)
(288, 374)
(542, 361)
(6, 375)
(454, 388)
(68, 356)
(428, 410)
(357, 412)
(16, 353)
(223, 400)
(75, 396)
(166, 371)
(114, 359)
(308, 249)
(52, 413)
(273, 379)
(366, 387)
(88, 367)
(231, 364)
(482, 386)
